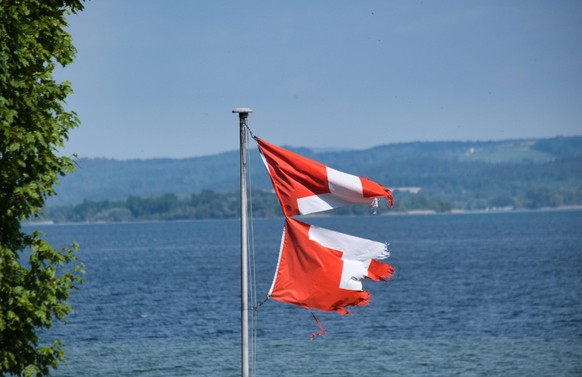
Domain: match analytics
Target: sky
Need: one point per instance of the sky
(156, 78)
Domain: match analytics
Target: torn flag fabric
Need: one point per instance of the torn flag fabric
(321, 269)
(306, 186)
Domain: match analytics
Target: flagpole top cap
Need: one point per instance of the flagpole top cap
(242, 110)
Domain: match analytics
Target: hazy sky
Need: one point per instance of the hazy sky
(160, 78)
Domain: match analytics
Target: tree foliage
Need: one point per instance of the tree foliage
(204, 205)
(215, 205)
(35, 278)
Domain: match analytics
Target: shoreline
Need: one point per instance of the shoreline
(576, 207)
(403, 213)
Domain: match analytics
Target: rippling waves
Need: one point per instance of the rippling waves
(487, 294)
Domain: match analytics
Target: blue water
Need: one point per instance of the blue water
(473, 295)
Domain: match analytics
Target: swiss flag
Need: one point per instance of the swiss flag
(306, 186)
(321, 269)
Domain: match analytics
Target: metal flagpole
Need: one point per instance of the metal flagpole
(243, 113)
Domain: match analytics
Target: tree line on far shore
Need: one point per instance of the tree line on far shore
(214, 205)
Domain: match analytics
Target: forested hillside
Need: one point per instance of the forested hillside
(445, 175)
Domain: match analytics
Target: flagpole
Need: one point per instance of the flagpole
(243, 113)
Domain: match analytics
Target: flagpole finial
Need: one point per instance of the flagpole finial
(242, 111)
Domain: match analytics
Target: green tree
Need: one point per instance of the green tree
(35, 278)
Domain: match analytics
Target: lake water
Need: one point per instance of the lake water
(474, 295)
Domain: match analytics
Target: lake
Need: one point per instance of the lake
(473, 295)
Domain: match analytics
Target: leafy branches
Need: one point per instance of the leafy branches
(34, 124)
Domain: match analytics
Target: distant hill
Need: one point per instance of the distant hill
(471, 175)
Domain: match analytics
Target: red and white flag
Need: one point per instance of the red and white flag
(306, 186)
(321, 269)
